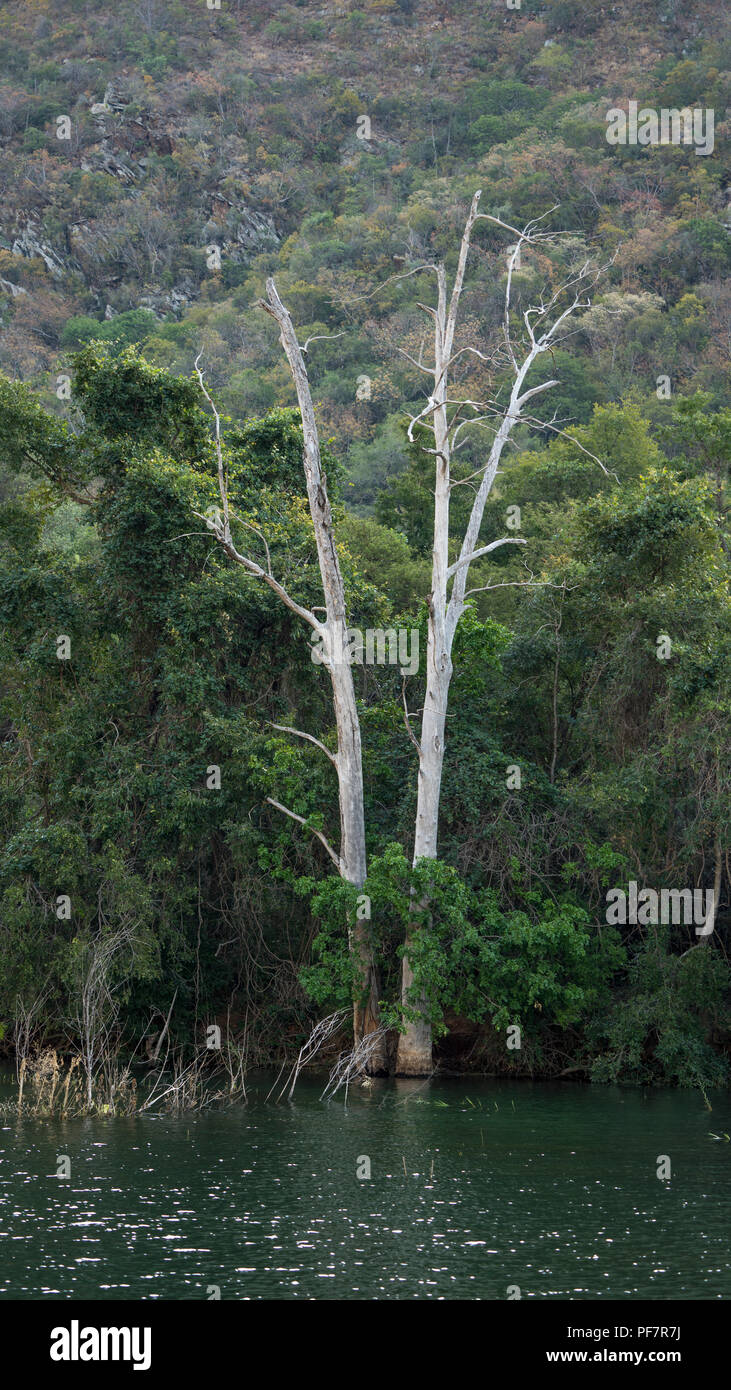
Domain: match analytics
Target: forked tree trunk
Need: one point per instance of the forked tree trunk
(445, 608)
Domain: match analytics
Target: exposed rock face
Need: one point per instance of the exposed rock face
(115, 99)
(90, 244)
(28, 243)
(110, 163)
(127, 138)
(245, 233)
(164, 302)
(256, 232)
(8, 287)
(126, 131)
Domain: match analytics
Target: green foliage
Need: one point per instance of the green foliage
(467, 954)
(177, 664)
(167, 658)
(124, 330)
(125, 397)
(385, 560)
(268, 453)
(33, 441)
(180, 661)
(659, 1026)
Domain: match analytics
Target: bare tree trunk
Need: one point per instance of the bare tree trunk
(415, 1042)
(366, 1013)
(414, 1056)
(351, 858)
(540, 334)
(445, 608)
(349, 762)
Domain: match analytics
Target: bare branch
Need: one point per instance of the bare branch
(255, 569)
(547, 425)
(222, 479)
(301, 821)
(79, 497)
(451, 323)
(429, 409)
(299, 733)
(257, 532)
(403, 275)
(475, 351)
(484, 550)
(161, 1038)
(514, 584)
(429, 370)
(534, 391)
(320, 337)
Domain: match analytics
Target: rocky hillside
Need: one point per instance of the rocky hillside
(159, 158)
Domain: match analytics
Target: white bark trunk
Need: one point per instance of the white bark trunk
(349, 762)
(445, 610)
(414, 1056)
(351, 858)
(415, 1042)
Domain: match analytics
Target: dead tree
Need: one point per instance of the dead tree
(350, 858)
(447, 417)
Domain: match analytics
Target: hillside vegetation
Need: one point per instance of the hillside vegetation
(336, 147)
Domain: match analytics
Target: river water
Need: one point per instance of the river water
(476, 1187)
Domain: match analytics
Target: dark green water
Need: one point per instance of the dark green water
(549, 1187)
